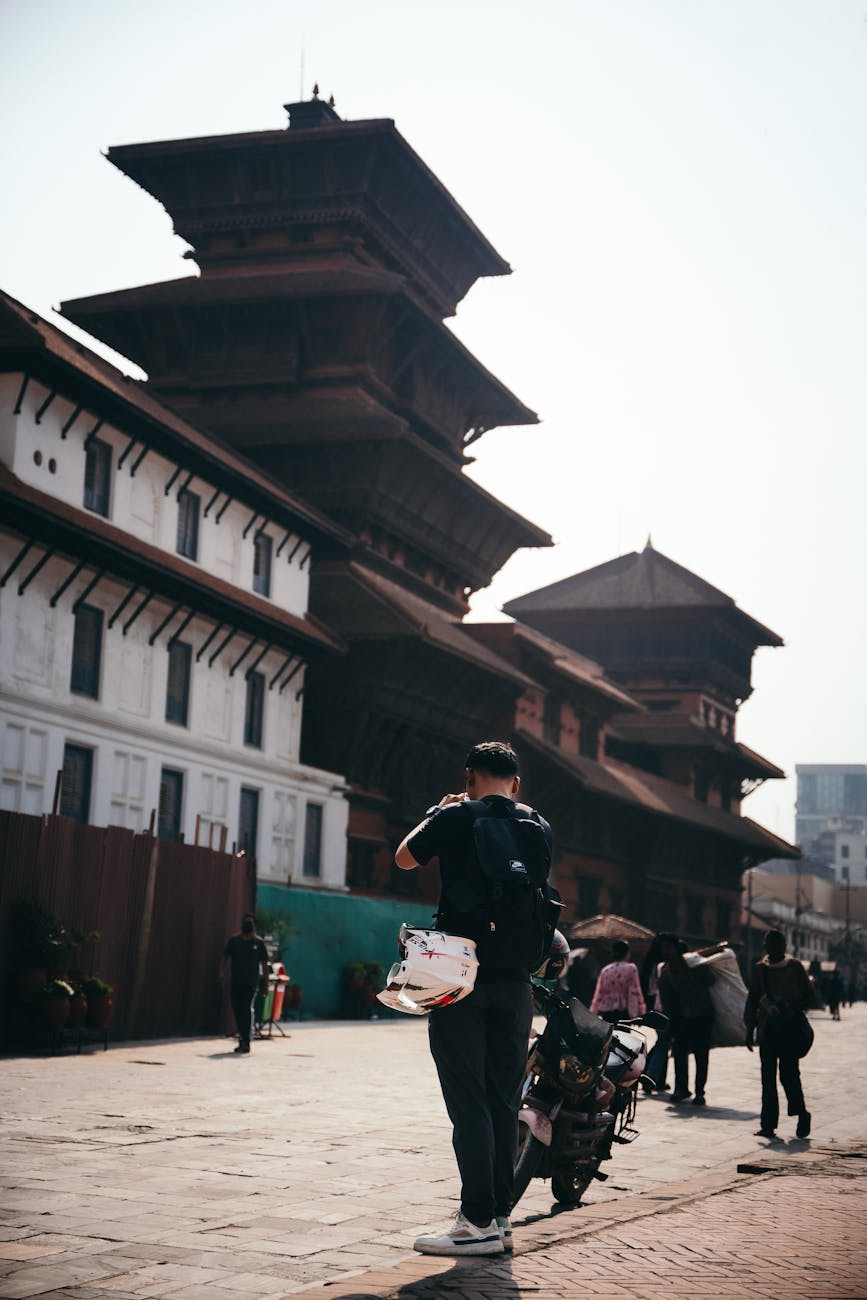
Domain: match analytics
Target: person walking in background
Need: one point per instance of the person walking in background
(833, 990)
(247, 958)
(779, 992)
(686, 1001)
(655, 1072)
(618, 995)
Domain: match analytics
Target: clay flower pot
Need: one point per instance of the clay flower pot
(77, 1011)
(99, 1011)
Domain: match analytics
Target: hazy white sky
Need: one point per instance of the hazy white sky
(680, 188)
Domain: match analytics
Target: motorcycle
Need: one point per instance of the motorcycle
(579, 1095)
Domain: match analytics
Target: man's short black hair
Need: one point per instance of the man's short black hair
(495, 757)
(619, 949)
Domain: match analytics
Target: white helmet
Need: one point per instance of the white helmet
(436, 969)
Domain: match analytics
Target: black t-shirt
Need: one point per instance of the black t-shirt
(246, 956)
(448, 835)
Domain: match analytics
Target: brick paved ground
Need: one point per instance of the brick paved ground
(796, 1232)
(178, 1169)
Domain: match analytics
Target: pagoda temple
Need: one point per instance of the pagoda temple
(658, 818)
(313, 339)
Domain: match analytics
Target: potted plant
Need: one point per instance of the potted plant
(292, 1000)
(362, 980)
(77, 1006)
(37, 946)
(54, 1005)
(100, 1002)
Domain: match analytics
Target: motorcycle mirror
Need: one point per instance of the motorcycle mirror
(655, 1020)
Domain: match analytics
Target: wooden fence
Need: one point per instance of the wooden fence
(163, 911)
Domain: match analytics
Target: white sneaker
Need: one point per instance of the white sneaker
(504, 1227)
(463, 1238)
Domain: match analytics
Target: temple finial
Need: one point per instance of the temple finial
(316, 90)
(648, 545)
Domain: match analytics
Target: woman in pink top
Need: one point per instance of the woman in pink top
(618, 993)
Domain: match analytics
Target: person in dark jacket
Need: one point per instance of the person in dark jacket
(247, 958)
(479, 1045)
(779, 984)
(685, 996)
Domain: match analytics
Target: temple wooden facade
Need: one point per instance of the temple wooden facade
(314, 341)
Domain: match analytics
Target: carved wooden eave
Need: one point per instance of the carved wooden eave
(249, 354)
(77, 535)
(662, 799)
(554, 665)
(414, 495)
(414, 680)
(357, 179)
(68, 368)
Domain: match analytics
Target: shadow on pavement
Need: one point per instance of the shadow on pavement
(496, 1278)
(685, 1110)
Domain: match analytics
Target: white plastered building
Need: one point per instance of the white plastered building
(154, 632)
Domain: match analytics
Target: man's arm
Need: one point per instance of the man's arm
(403, 856)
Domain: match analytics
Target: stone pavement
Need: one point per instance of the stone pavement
(306, 1168)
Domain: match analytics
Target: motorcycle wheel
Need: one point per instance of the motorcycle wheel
(530, 1152)
(569, 1188)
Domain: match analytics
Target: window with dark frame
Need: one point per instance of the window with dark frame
(86, 651)
(254, 710)
(588, 739)
(178, 684)
(75, 782)
(171, 804)
(97, 477)
(248, 822)
(312, 840)
(188, 525)
(552, 719)
(262, 564)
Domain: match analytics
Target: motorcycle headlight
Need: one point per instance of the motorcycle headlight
(574, 1073)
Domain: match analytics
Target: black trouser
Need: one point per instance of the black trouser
(242, 1008)
(790, 1078)
(691, 1036)
(479, 1046)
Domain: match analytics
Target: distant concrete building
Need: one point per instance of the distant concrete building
(831, 797)
(844, 853)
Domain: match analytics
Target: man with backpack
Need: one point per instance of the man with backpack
(494, 857)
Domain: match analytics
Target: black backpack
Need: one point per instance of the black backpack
(509, 909)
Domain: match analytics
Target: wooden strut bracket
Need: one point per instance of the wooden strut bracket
(67, 581)
(97, 577)
(218, 627)
(242, 656)
(123, 604)
(294, 672)
(38, 566)
(94, 431)
(16, 409)
(27, 547)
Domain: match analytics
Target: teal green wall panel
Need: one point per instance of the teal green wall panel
(327, 931)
